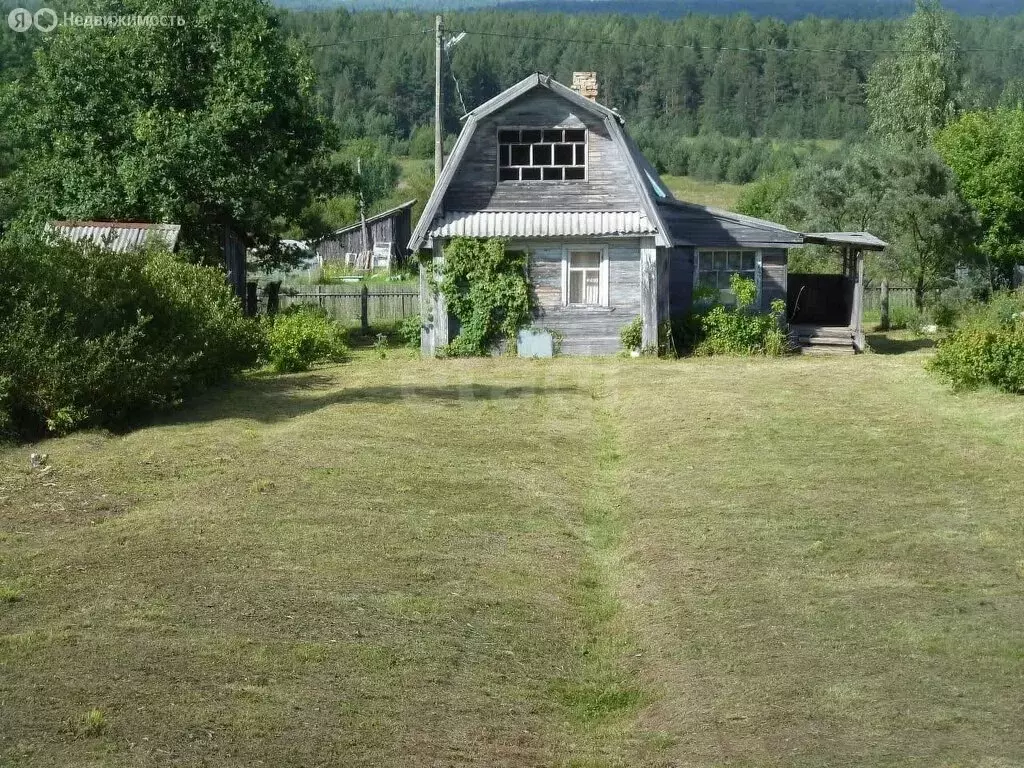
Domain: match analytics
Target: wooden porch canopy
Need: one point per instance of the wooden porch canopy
(852, 246)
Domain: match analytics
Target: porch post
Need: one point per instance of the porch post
(649, 294)
(433, 309)
(858, 304)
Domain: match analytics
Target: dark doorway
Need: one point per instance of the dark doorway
(820, 299)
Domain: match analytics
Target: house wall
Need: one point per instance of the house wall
(774, 276)
(475, 186)
(586, 331)
(680, 280)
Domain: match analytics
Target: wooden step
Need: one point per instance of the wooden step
(826, 341)
(825, 350)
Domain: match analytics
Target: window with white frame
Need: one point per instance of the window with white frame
(586, 277)
(549, 154)
(715, 269)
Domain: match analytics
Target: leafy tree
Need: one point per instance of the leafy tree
(907, 197)
(210, 124)
(986, 150)
(914, 92)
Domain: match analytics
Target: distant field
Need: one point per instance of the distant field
(601, 563)
(712, 193)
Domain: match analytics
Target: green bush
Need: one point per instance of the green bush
(987, 347)
(409, 330)
(488, 291)
(303, 336)
(735, 330)
(958, 300)
(94, 338)
(907, 319)
(632, 334)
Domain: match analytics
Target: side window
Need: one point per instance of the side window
(715, 268)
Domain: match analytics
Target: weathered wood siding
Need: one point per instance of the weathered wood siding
(594, 330)
(395, 229)
(774, 275)
(475, 186)
(680, 281)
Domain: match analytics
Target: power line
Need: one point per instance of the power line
(373, 39)
(737, 49)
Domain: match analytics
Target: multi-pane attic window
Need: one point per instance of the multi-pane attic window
(549, 154)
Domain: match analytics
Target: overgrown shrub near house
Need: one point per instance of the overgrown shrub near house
(303, 336)
(986, 348)
(632, 334)
(738, 330)
(487, 289)
(94, 338)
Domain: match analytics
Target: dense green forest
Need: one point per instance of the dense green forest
(788, 10)
(735, 76)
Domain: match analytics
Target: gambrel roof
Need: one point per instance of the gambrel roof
(656, 212)
(641, 175)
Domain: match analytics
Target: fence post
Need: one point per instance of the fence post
(252, 301)
(364, 308)
(883, 300)
(273, 291)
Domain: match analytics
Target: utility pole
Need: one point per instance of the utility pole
(364, 256)
(438, 97)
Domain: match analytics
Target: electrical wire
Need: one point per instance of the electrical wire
(373, 39)
(737, 49)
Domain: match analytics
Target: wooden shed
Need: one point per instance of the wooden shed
(386, 237)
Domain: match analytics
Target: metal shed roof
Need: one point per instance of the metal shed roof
(117, 236)
(864, 240)
(541, 224)
(373, 219)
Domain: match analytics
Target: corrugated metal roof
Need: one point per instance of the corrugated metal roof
(373, 219)
(541, 224)
(859, 239)
(115, 236)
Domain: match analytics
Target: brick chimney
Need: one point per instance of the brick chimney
(585, 84)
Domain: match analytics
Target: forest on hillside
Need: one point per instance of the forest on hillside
(728, 75)
(787, 10)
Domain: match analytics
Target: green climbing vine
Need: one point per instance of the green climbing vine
(487, 288)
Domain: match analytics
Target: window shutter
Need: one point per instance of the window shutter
(757, 277)
(565, 277)
(603, 299)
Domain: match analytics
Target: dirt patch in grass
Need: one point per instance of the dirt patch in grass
(31, 500)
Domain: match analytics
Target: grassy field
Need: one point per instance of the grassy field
(803, 562)
(715, 194)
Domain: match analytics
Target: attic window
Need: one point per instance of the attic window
(533, 154)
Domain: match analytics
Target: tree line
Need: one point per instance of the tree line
(681, 77)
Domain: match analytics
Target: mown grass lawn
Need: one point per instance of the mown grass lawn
(805, 562)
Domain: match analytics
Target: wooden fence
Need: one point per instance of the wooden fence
(898, 298)
(365, 306)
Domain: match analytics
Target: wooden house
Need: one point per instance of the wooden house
(556, 174)
(386, 238)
